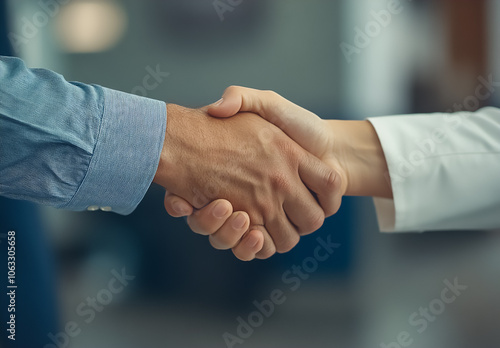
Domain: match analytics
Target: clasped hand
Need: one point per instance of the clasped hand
(243, 181)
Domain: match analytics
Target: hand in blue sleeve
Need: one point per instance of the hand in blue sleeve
(75, 146)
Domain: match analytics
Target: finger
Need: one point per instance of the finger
(249, 246)
(241, 99)
(209, 219)
(285, 236)
(303, 210)
(176, 206)
(298, 123)
(230, 233)
(323, 181)
(231, 102)
(337, 200)
(268, 248)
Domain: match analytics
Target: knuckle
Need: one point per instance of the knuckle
(332, 181)
(333, 186)
(336, 206)
(271, 94)
(266, 209)
(280, 182)
(315, 221)
(289, 150)
(267, 251)
(288, 243)
(232, 88)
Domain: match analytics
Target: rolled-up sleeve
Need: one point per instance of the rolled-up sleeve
(75, 146)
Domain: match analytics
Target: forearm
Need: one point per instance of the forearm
(358, 148)
(72, 145)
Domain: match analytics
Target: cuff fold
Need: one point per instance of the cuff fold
(126, 154)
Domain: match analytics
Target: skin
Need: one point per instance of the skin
(352, 148)
(254, 165)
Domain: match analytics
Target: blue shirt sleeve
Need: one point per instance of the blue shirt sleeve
(75, 146)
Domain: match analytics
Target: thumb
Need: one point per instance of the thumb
(303, 126)
(240, 99)
(229, 105)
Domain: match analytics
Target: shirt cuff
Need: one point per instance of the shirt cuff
(442, 168)
(395, 215)
(386, 214)
(126, 154)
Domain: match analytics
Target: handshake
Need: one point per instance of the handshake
(256, 172)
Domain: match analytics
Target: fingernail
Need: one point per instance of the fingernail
(180, 208)
(239, 222)
(219, 102)
(220, 210)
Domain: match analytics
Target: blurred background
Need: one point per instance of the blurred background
(340, 59)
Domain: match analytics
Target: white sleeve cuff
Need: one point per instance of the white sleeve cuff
(443, 170)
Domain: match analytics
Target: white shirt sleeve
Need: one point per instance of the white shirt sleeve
(444, 170)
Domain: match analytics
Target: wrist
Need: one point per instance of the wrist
(165, 167)
(361, 155)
